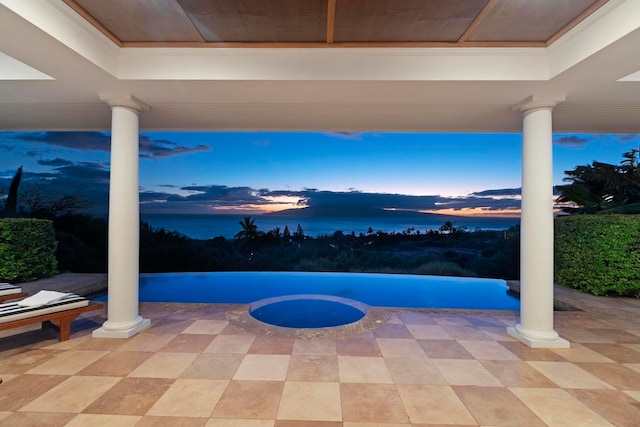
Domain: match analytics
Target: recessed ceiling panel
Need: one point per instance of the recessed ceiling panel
(142, 21)
(404, 20)
(528, 20)
(259, 21)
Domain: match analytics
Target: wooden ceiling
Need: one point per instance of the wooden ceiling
(334, 23)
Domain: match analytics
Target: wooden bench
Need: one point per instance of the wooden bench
(60, 321)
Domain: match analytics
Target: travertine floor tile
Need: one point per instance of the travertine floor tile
(617, 375)
(392, 330)
(189, 398)
(431, 332)
(250, 399)
(146, 342)
(392, 347)
(230, 344)
(444, 349)
(358, 346)
(634, 366)
(615, 406)
(188, 343)
(263, 367)
(416, 318)
(168, 326)
(379, 403)
(617, 352)
(569, 375)
(130, 396)
(68, 362)
(556, 407)
(24, 361)
(634, 394)
(206, 327)
(430, 404)
(271, 345)
(315, 346)
(308, 367)
(116, 364)
(151, 421)
(73, 395)
(363, 370)
(527, 353)
(214, 422)
(496, 406)
(517, 374)
(164, 365)
(487, 350)
(40, 419)
(94, 420)
(414, 370)
(580, 353)
(465, 372)
(18, 392)
(301, 423)
(214, 366)
(310, 401)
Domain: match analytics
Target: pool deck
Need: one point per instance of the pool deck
(200, 365)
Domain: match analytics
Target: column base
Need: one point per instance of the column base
(125, 333)
(537, 343)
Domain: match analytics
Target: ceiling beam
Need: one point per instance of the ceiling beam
(476, 22)
(331, 19)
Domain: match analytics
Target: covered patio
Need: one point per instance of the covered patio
(330, 65)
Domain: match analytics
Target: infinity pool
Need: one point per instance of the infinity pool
(384, 290)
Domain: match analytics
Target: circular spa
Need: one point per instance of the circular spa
(307, 311)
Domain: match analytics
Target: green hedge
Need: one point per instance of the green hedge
(599, 254)
(27, 249)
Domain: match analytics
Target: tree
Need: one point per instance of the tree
(249, 229)
(286, 234)
(11, 205)
(299, 233)
(448, 228)
(42, 203)
(602, 187)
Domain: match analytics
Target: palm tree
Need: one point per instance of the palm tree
(249, 229)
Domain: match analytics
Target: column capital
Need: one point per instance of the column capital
(124, 100)
(539, 101)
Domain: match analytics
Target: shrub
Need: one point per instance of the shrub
(443, 268)
(599, 254)
(27, 249)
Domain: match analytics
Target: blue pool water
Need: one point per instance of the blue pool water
(307, 313)
(385, 290)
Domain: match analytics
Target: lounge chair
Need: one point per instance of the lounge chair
(57, 315)
(10, 292)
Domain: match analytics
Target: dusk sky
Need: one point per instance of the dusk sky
(253, 172)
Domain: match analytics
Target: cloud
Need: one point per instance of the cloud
(498, 193)
(99, 141)
(55, 162)
(571, 140)
(163, 148)
(346, 135)
(625, 137)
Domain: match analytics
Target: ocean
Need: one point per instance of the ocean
(209, 226)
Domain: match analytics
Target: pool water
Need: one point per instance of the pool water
(384, 290)
(307, 313)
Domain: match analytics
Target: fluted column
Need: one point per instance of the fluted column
(123, 320)
(536, 230)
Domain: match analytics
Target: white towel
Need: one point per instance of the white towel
(42, 298)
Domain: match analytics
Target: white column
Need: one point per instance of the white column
(123, 320)
(536, 230)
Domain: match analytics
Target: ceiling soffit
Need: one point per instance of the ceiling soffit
(340, 23)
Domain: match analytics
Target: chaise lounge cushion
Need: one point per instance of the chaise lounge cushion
(7, 289)
(11, 311)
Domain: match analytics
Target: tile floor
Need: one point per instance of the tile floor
(198, 366)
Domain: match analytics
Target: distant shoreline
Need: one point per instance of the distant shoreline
(207, 226)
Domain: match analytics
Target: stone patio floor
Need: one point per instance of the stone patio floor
(206, 365)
